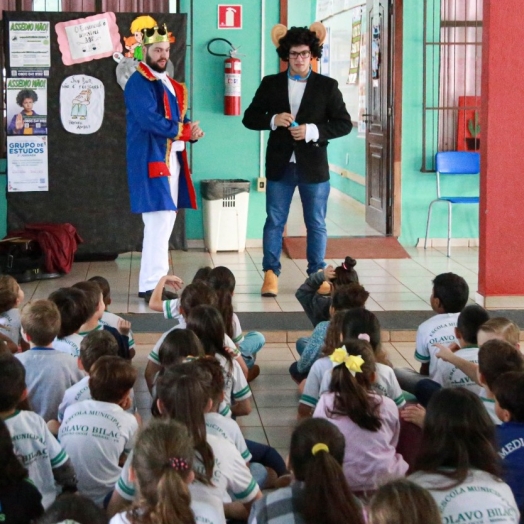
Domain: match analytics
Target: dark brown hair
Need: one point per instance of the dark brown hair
(469, 322)
(348, 296)
(8, 293)
(222, 280)
(509, 392)
(103, 284)
(202, 274)
(207, 324)
(333, 338)
(184, 397)
(12, 381)
(179, 344)
(97, 344)
(452, 291)
(403, 501)
(352, 393)
(214, 377)
(326, 496)
(73, 507)
(162, 460)
(71, 302)
(11, 468)
(346, 273)
(92, 292)
(458, 435)
(41, 321)
(196, 294)
(297, 36)
(497, 357)
(111, 378)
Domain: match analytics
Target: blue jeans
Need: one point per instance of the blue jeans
(249, 347)
(314, 199)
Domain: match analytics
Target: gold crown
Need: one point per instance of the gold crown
(154, 35)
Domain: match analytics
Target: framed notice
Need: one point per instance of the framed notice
(27, 164)
(29, 48)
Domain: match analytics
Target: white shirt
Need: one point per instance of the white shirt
(111, 320)
(10, 324)
(95, 434)
(311, 392)
(439, 329)
(225, 427)
(451, 377)
(69, 344)
(235, 384)
(489, 404)
(480, 499)
(386, 384)
(37, 450)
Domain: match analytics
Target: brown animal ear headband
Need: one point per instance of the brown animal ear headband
(280, 30)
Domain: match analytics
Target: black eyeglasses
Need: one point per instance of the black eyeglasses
(150, 31)
(303, 54)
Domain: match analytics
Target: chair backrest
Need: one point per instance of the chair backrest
(457, 163)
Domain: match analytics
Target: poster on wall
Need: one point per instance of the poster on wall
(354, 59)
(82, 104)
(86, 39)
(26, 106)
(326, 53)
(27, 164)
(29, 49)
(362, 81)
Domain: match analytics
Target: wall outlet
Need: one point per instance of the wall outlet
(261, 184)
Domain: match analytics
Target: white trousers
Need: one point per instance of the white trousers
(158, 226)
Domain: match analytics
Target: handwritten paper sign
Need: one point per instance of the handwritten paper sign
(90, 38)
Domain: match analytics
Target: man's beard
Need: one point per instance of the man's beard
(155, 66)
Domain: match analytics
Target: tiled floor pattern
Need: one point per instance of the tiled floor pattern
(275, 397)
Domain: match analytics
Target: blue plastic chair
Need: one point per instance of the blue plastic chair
(455, 163)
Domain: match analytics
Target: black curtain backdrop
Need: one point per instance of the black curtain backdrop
(87, 173)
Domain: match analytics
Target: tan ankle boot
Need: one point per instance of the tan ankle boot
(270, 285)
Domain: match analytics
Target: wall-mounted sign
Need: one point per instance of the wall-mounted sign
(29, 48)
(26, 106)
(27, 163)
(90, 38)
(82, 104)
(229, 16)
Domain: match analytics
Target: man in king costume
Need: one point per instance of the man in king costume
(157, 169)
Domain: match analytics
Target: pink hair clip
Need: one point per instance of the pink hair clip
(344, 266)
(179, 464)
(364, 336)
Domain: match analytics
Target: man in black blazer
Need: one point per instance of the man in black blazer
(302, 110)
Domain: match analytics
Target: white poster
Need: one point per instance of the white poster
(26, 109)
(27, 164)
(82, 104)
(29, 48)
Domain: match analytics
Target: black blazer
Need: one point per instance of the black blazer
(322, 104)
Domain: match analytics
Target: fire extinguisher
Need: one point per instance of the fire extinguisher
(232, 78)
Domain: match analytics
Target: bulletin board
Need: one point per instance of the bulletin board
(338, 48)
(87, 172)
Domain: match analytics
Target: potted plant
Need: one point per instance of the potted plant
(473, 142)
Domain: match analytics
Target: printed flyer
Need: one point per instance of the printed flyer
(29, 49)
(27, 164)
(26, 106)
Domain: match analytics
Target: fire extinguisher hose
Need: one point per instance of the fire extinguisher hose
(232, 51)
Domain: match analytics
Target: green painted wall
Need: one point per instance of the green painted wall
(418, 189)
(3, 200)
(228, 150)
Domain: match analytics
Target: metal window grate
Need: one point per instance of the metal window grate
(451, 77)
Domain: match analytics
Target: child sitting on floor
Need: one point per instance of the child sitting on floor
(11, 296)
(49, 373)
(37, 450)
(369, 421)
(97, 433)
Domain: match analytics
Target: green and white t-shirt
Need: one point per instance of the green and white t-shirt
(489, 404)
(95, 434)
(385, 384)
(217, 424)
(10, 324)
(69, 344)
(439, 329)
(235, 385)
(480, 499)
(111, 320)
(451, 377)
(311, 392)
(37, 450)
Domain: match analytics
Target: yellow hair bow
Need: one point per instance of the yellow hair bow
(352, 362)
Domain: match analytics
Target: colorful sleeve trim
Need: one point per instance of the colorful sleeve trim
(238, 339)
(60, 459)
(252, 489)
(400, 400)
(154, 358)
(422, 358)
(226, 411)
(166, 304)
(247, 455)
(242, 394)
(308, 401)
(126, 491)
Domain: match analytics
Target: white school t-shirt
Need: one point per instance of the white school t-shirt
(489, 404)
(311, 392)
(69, 344)
(230, 474)
(439, 329)
(80, 391)
(385, 384)
(451, 377)
(480, 499)
(217, 424)
(95, 434)
(38, 451)
(10, 324)
(236, 387)
(111, 320)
